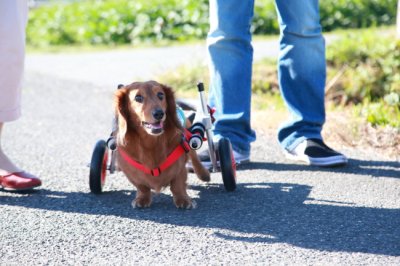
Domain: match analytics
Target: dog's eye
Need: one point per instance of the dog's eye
(139, 98)
(160, 95)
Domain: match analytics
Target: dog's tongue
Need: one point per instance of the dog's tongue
(156, 128)
(157, 125)
(153, 126)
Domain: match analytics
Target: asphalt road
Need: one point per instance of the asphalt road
(281, 213)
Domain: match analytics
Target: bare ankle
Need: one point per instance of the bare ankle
(6, 165)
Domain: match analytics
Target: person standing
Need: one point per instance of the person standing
(301, 73)
(13, 20)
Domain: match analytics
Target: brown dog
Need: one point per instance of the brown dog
(148, 133)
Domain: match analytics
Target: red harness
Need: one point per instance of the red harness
(181, 149)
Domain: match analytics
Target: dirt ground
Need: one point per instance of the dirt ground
(340, 131)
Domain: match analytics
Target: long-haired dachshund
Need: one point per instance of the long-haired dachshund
(150, 143)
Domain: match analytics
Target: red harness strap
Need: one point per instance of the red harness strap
(182, 148)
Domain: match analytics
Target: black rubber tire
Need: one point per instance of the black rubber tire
(228, 165)
(98, 167)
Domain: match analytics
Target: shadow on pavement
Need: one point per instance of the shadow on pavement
(256, 212)
(359, 167)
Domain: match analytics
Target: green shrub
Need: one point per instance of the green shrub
(357, 13)
(117, 22)
(372, 66)
(381, 113)
(370, 77)
(130, 22)
(334, 14)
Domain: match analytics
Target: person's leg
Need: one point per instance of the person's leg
(301, 69)
(13, 19)
(6, 166)
(13, 15)
(302, 76)
(230, 64)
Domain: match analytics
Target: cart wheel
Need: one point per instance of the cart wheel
(228, 165)
(98, 167)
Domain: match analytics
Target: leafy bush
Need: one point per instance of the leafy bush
(126, 21)
(371, 63)
(357, 13)
(381, 113)
(117, 22)
(369, 67)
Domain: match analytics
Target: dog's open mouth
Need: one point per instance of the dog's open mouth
(154, 128)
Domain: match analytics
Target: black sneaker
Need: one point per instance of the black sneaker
(316, 152)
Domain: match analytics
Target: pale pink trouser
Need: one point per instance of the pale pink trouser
(13, 19)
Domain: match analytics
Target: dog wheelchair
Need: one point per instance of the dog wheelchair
(104, 153)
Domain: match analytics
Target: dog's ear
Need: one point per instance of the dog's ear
(122, 114)
(172, 119)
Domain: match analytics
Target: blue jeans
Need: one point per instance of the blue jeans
(301, 70)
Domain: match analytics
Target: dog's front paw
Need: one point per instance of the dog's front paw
(141, 203)
(185, 203)
(205, 176)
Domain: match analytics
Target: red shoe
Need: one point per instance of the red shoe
(19, 181)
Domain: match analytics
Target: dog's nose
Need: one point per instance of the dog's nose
(158, 114)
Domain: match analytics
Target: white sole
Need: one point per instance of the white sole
(324, 162)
